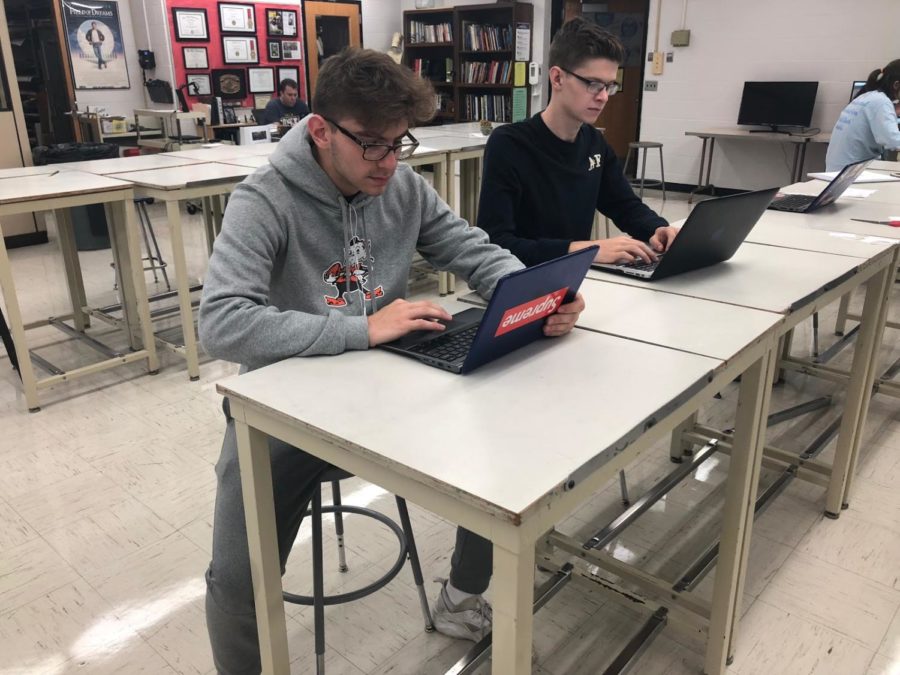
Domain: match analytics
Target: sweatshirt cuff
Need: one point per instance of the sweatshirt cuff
(357, 335)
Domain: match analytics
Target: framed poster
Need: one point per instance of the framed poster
(199, 84)
(239, 49)
(195, 58)
(288, 74)
(290, 50)
(229, 83)
(261, 80)
(94, 40)
(236, 18)
(190, 24)
(274, 50)
(281, 22)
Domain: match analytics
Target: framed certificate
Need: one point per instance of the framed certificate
(261, 80)
(237, 18)
(290, 50)
(195, 58)
(190, 24)
(239, 49)
(199, 84)
(288, 74)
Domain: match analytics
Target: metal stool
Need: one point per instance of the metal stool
(156, 261)
(318, 600)
(643, 146)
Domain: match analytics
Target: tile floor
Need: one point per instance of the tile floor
(105, 522)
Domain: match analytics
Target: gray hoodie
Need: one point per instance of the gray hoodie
(297, 268)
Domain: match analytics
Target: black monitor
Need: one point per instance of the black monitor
(778, 104)
(857, 88)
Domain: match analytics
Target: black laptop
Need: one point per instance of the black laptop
(807, 203)
(513, 318)
(711, 234)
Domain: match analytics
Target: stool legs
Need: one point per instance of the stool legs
(643, 171)
(623, 487)
(414, 562)
(662, 174)
(318, 581)
(339, 525)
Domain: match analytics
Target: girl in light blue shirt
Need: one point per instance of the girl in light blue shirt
(868, 125)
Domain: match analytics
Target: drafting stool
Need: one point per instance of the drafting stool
(154, 256)
(318, 600)
(642, 147)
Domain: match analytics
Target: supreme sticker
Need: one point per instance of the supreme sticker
(533, 310)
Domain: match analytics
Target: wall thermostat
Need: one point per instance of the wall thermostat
(534, 73)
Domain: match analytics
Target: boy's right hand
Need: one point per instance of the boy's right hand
(402, 317)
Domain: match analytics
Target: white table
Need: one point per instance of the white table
(797, 284)
(105, 167)
(172, 185)
(58, 192)
(500, 470)
(709, 136)
(253, 162)
(218, 152)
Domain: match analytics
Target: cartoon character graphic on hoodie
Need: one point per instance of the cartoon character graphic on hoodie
(351, 278)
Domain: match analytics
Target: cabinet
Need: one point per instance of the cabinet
(475, 56)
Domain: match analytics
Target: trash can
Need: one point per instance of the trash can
(88, 222)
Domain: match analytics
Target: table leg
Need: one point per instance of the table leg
(444, 186)
(678, 447)
(513, 582)
(124, 225)
(17, 329)
(72, 266)
(859, 389)
(125, 275)
(173, 213)
(737, 518)
(218, 214)
(209, 222)
(262, 539)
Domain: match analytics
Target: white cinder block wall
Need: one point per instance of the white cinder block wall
(831, 41)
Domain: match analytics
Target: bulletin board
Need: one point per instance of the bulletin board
(257, 36)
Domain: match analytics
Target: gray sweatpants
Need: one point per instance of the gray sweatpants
(230, 614)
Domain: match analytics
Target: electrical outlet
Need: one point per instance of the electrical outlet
(650, 85)
(658, 63)
(670, 56)
(649, 57)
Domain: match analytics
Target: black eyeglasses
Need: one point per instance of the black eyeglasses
(375, 152)
(594, 87)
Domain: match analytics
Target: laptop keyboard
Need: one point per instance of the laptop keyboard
(791, 202)
(642, 266)
(451, 347)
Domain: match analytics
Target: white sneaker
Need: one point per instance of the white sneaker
(469, 620)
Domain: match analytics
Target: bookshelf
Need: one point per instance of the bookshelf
(475, 56)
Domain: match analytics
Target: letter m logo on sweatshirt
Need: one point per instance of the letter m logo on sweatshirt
(530, 311)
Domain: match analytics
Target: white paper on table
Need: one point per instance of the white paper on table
(878, 240)
(864, 177)
(858, 193)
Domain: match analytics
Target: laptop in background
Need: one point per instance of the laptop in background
(857, 87)
(711, 234)
(807, 203)
(513, 318)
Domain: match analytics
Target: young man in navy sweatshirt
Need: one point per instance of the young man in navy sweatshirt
(545, 177)
(313, 259)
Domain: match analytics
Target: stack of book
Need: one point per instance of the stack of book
(420, 32)
(486, 72)
(486, 38)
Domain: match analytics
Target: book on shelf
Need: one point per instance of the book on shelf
(493, 107)
(486, 72)
(486, 38)
(436, 70)
(421, 32)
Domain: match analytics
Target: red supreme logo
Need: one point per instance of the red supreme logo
(518, 316)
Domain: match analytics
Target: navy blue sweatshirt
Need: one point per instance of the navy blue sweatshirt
(539, 193)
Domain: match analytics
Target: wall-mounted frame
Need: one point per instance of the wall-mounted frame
(202, 85)
(290, 50)
(195, 58)
(281, 22)
(239, 49)
(190, 24)
(288, 74)
(274, 50)
(237, 18)
(261, 80)
(229, 83)
(93, 36)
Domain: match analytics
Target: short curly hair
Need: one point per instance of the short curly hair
(372, 89)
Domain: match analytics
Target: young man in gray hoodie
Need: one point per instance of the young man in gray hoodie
(313, 258)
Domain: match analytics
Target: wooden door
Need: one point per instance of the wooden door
(329, 27)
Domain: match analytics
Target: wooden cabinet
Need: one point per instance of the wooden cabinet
(476, 56)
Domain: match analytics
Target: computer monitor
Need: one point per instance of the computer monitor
(778, 104)
(857, 88)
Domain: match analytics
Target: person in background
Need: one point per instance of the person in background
(313, 259)
(544, 178)
(286, 104)
(868, 125)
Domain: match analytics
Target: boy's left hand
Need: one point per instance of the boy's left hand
(565, 317)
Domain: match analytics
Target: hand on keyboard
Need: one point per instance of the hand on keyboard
(402, 317)
(624, 248)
